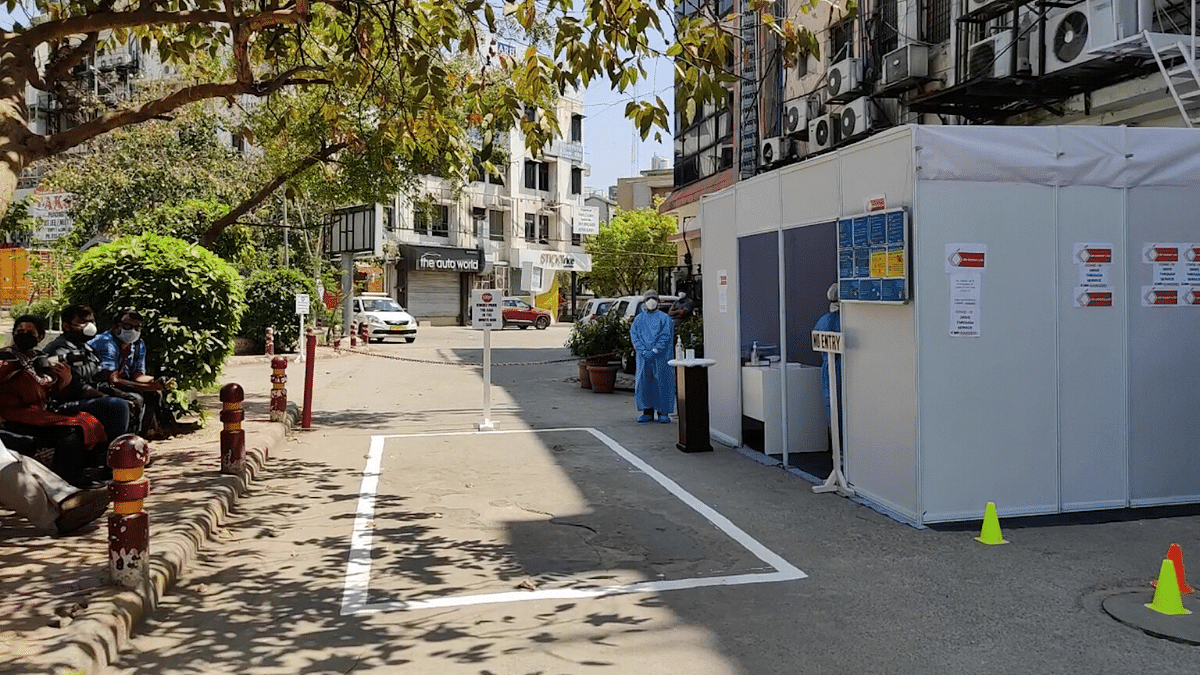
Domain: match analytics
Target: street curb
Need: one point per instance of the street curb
(96, 638)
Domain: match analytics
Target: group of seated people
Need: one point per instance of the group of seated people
(76, 395)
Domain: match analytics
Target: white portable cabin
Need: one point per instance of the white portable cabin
(1079, 387)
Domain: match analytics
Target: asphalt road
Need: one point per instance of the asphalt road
(498, 553)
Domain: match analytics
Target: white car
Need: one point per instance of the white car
(383, 317)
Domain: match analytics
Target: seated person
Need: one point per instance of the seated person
(27, 378)
(115, 413)
(123, 370)
(43, 498)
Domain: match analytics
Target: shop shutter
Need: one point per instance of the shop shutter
(433, 296)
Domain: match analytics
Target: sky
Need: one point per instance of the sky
(608, 136)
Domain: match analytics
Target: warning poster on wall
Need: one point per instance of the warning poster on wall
(1174, 274)
(1093, 266)
(965, 308)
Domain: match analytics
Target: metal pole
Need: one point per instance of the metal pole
(309, 366)
(486, 424)
(348, 289)
(837, 480)
(574, 309)
(300, 341)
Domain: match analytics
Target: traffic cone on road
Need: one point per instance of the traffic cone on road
(1167, 599)
(1175, 555)
(990, 534)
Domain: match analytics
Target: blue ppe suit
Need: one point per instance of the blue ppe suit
(830, 322)
(653, 336)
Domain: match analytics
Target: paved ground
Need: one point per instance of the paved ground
(465, 553)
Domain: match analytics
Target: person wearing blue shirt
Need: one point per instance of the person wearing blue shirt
(653, 336)
(123, 362)
(831, 322)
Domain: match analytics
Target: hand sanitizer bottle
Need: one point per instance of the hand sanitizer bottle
(678, 347)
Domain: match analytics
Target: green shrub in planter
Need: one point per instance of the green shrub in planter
(691, 334)
(45, 308)
(271, 302)
(191, 302)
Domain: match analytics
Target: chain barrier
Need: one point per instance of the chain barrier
(461, 363)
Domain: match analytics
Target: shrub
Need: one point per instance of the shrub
(603, 340)
(46, 308)
(691, 334)
(191, 301)
(271, 301)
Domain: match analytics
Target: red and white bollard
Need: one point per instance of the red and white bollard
(270, 342)
(233, 439)
(278, 389)
(364, 333)
(128, 524)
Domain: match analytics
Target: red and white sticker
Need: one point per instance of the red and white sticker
(1096, 254)
(1161, 253)
(966, 258)
(1161, 296)
(1090, 297)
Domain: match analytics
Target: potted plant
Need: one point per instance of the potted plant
(580, 343)
(691, 335)
(610, 338)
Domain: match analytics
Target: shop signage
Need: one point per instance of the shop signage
(442, 259)
(556, 260)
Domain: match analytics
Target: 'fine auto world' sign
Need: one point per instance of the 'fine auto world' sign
(442, 259)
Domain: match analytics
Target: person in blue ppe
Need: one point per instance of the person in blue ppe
(831, 322)
(653, 335)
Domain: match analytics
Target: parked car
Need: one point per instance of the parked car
(628, 307)
(519, 313)
(595, 308)
(384, 318)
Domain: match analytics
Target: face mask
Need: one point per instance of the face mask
(835, 306)
(89, 329)
(129, 336)
(25, 341)
(651, 305)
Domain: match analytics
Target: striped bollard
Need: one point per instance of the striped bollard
(128, 524)
(278, 389)
(233, 439)
(270, 342)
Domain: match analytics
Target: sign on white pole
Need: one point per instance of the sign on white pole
(486, 314)
(587, 220)
(831, 343)
(302, 307)
(302, 303)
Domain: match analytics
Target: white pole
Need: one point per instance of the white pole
(837, 480)
(300, 341)
(486, 424)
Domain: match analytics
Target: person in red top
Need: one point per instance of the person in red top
(27, 377)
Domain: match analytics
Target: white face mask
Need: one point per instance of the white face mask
(89, 329)
(835, 306)
(651, 305)
(129, 336)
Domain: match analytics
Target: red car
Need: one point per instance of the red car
(519, 313)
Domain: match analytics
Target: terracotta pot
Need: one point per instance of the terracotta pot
(585, 379)
(604, 378)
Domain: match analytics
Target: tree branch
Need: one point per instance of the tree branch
(216, 229)
(105, 20)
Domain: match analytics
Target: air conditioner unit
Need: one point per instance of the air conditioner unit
(774, 150)
(844, 79)
(1072, 33)
(906, 63)
(824, 132)
(856, 118)
(993, 57)
(797, 113)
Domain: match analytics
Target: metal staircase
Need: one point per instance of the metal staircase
(1177, 58)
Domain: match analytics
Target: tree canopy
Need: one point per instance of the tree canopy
(412, 78)
(629, 250)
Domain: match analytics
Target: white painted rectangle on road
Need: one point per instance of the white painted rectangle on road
(355, 599)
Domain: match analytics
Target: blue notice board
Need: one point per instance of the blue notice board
(873, 257)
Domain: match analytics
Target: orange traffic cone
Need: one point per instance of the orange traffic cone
(1175, 555)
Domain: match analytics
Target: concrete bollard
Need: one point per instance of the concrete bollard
(270, 342)
(128, 524)
(233, 439)
(278, 389)
(364, 333)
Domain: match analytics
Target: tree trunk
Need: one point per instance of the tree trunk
(216, 229)
(19, 147)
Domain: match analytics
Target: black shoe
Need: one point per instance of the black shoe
(80, 509)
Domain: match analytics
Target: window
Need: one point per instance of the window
(389, 218)
(530, 227)
(478, 221)
(483, 176)
(496, 225)
(576, 180)
(841, 41)
(544, 228)
(421, 219)
(937, 21)
(889, 36)
(709, 135)
(441, 224)
(577, 128)
(537, 175)
(531, 113)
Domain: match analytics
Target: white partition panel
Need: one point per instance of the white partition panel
(1164, 369)
(721, 328)
(758, 204)
(810, 191)
(881, 404)
(1091, 350)
(987, 404)
(882, 165)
